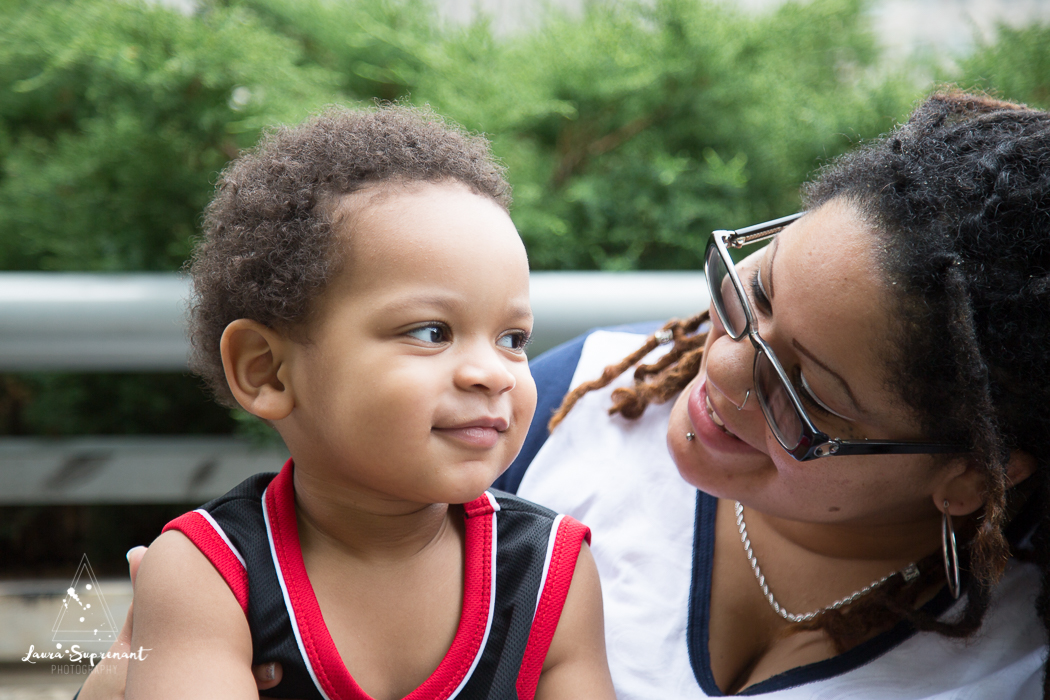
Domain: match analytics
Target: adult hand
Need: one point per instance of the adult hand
(107, 680)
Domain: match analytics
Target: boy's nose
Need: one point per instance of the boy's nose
(482, 369)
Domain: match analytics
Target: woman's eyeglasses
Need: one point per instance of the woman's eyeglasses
(780, 402)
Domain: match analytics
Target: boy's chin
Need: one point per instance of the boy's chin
(467, 492)
(467, 495)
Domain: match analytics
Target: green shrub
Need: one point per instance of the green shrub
(630, 131)
(115, 118)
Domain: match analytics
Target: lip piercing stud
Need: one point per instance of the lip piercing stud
(689, 437)
(746, 397)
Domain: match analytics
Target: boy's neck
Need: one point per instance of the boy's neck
(365, 526)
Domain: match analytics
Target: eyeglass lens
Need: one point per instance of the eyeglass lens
(724, 295)
(772, 394)
(776, 404)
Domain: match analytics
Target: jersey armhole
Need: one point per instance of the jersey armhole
(208, 536)
(568, 536)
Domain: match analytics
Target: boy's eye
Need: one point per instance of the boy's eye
(514, 340)
(435, 333)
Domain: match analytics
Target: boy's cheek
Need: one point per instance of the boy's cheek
(527, 406)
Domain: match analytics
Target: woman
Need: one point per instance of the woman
(866, 421)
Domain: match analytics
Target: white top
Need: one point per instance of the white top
(616, 476)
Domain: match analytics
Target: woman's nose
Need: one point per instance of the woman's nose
(730, 369)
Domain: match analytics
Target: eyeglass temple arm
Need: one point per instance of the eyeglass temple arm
(758, 232)
(886, 447)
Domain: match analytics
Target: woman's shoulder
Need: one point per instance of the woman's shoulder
(1004, 659)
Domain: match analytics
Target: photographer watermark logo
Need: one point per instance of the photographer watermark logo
(84, 615)
(83, 618)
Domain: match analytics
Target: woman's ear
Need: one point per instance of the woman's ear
(1020, 467)
(253, 357)
(963, 486)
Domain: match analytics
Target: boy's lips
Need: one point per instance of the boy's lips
(479, 432)
(708, 424)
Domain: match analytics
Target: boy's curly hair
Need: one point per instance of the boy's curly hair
(269, 247)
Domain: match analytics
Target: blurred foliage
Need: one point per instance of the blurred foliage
(48, 541)
(644, 128)
(630, 131)
(55, 405)
(1016, 66)
(115, 117)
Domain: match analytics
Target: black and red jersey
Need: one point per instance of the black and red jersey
(520, 559)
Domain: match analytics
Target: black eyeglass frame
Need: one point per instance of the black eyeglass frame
(814, 443)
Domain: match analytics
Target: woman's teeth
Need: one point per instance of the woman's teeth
(714, 416)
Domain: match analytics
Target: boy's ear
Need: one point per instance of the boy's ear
(964, 486)
(254, 358)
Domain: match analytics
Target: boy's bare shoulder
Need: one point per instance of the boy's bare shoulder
(174, 572)
(186, 617)
(576, 664)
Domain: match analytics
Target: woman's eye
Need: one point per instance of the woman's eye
(811, 401)
(810, 398)
(430, 334)
(758, 292)
(515, 340)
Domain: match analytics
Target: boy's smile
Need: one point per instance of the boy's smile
(482, 433)
(411, 383)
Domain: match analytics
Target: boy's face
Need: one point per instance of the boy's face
(414, 384)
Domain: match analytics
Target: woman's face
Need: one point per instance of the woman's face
(821, 303)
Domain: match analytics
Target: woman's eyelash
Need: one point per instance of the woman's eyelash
(757, 292)
(804, 393)
(810, 401)
(810, 397)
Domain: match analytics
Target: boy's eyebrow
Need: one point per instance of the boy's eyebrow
(447, 303)
(444, 302)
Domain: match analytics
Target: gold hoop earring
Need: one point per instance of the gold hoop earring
(951, 554)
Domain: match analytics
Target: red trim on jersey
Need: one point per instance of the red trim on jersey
(482, 505)
(323, 656)
(567, 542)
(212, 545)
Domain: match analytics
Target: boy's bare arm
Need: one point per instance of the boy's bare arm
(576, 667)
(194, 634)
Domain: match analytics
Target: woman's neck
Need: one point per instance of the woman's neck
(899, 541)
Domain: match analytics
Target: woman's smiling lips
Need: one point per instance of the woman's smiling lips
(709, 432)
(480, 432)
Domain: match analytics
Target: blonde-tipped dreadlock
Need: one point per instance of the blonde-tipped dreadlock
(656, 382)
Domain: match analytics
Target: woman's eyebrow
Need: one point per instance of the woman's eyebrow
(845, 385)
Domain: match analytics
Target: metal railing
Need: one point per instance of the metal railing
(121, 322)
(136, 322)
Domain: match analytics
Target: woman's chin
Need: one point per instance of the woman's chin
(688, 459)
(698, 465)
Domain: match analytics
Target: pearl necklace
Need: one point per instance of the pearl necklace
(910, 572)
